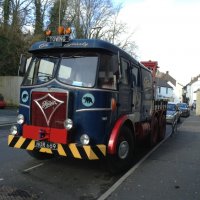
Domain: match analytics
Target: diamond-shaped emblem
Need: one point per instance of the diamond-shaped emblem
(48, 105)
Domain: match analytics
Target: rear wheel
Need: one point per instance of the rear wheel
(174, 127)
(154, 132)
(40, 156)
(123, 158)
(179, 119)
(162, 128)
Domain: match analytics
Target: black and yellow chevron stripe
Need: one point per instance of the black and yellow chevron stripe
(71, 150)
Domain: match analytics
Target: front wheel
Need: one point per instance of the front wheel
(122, 160)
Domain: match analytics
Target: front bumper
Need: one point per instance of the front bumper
(169, 120)
(70, 150)
(185, 114)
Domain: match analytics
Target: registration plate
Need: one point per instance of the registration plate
(46, 144)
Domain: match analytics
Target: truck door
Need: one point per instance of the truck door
(136, 91)
(125, 92)
(147, 94)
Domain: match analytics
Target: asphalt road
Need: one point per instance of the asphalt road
(22, 177)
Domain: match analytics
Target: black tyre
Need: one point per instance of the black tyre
(174, 127)
(40, 156)
(162, 128)
(154, 132)
(123, 158)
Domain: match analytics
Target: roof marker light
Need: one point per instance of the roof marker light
(68, 31)
(61, 30)
(48, 32)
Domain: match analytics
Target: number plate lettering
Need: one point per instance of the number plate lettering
(45, 144)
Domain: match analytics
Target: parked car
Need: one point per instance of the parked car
(193, 106)
(185, 110)
(2, 102)
(173, 113)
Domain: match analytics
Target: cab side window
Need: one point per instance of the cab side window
(147, 84)
(135, 76)
(147, 81)
(108, 72)
(125, 68)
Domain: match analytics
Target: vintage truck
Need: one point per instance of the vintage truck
(87, 99)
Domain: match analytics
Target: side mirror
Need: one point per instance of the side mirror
(22, 65)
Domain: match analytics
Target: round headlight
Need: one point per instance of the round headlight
(85, 139)
(20, 119)
(68, 124)
(13, 130)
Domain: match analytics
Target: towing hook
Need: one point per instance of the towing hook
(42, 134)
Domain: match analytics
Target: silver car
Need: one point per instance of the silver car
(173, 113)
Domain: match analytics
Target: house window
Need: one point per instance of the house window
(159, 90)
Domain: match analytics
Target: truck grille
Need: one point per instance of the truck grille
(48, 109)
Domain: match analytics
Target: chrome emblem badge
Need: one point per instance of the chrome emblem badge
(48, 106)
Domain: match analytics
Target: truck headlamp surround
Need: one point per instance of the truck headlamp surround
(20, 119)
(68, 124)
(85, 139)
(13, 130)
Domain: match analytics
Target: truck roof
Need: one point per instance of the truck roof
(79, 44)
(87, 44)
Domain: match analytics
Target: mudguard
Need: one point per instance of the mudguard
(114, 134)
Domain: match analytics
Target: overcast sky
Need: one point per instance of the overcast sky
(167, 31)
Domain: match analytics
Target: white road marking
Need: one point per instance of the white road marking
(31, 168)
(7, 124)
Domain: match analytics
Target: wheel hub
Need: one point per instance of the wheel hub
(123, 149)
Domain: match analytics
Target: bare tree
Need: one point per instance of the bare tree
(99, 19)
(88, 17)
(94, 15)
(72, 17)
(46, 7)
(1, 11)
(57, 14)
(20, 13)
(5, 13)
(38, 17)
(117, 32)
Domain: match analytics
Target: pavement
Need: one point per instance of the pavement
(170, 172)
(8, 116)
(7, 120)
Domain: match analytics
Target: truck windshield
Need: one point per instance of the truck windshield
(74, 68)
(78, 70)
(41, 70)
